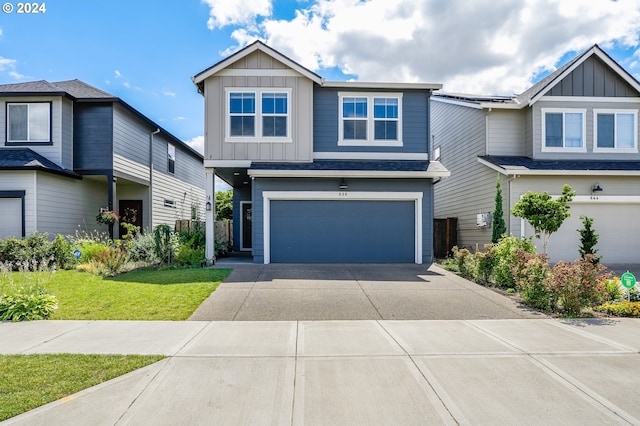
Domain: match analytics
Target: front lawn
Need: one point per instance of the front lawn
(29, 381)
(170, 294)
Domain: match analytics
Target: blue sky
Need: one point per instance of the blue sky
(145, 51)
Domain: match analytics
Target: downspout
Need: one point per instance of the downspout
(155, 132)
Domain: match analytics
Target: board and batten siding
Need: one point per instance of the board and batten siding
(130, 135)
(65, 205)
(67, 134)
(589, 106)
(183, 194)
(301, 116)
(460, 133)
(505, 132)
(355, 185)
(22, 180)
(93, 136)
(326, 120)
(51, 151)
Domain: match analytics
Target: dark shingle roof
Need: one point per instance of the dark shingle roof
(508, 162)
(81, 90)
(40, 86)
(26, 159)
(74, 88)
(356, 165)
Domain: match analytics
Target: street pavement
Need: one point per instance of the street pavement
(366, 358)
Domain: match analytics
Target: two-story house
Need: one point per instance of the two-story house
(321, 171)
(68, 149)
(577, 126)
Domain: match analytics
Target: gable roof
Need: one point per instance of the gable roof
(535, 92)
(26, 159)
(79, 91)
(257, 45)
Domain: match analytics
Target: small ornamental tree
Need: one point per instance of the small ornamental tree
(499, 227)
(544, 213)
(588, 240)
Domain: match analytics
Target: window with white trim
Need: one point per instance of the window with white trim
(171, 158)
(258, 115)
(615, 130)
(29, 122)
(563, 129)
(370, 119)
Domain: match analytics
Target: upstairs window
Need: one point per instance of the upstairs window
(259, 115)
(370, 119)
(29, 122)
(171, 158)
(563, 130)
(615, 131)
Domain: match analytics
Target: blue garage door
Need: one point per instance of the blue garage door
(342, 231)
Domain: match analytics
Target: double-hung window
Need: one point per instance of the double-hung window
(29, 122)
(563, 130)
(258, 115)
(370, 119)
(615, 130)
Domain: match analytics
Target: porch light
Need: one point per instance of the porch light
(207, 206)
(343, 185)
(596, 187)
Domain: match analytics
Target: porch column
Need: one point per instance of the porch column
(209, 215)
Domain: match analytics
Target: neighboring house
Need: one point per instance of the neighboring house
(321, 171)
(68, 149)
(577, 126)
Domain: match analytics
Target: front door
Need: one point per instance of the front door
(245, 226)
(130, 212)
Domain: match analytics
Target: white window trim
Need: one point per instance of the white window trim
(615, 112)
(259, 91)
(370, 119)
(268, 196)
(544, 111)
(29, 140)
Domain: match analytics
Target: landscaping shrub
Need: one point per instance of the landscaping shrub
(531, 275)
(142, 248)
(621, 309)
(23, 295)
(62, 252)
(90, 249)
(465, 261)
(165, 243)
(37, 246)
(188, 256)
(113, 258)
(505, 254)
(578, 285)
(485, 263)
(613, 290)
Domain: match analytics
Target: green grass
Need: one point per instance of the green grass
(171, 294)
(29, 381)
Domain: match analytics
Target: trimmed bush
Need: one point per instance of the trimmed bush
(531, 275)
(578, 285)
(505, 255)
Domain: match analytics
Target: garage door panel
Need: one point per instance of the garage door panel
(342, 231)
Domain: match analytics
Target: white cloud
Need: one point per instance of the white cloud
(1, 33)
(484, 46)
(168, 92)
(9, 66)
(235, 12)
(117, 74)
(197, 143)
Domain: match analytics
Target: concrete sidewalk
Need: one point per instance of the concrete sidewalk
(312, 292)
(514, 371)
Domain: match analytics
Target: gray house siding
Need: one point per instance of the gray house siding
(595, 79)
(415, 123)
(355, 185)
(589, 106)
(93, 136)
(460, 133)
(505, 132)
(130, 136)
(67, 134)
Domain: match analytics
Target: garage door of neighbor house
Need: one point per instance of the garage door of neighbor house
(336, 231)
(618, 226)
(11, 217)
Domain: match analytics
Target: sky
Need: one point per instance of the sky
(146, 51)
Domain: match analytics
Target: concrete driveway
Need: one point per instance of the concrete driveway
(286, 292)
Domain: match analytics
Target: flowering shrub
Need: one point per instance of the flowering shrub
(107, 217)
(622, 309)
(531, 275)
(578, 285)
(22, 292)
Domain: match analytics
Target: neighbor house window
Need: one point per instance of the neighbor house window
(171, 158)
(563, 130)
(29, 122)
(259, 115)
(615, 131)
(370, 119)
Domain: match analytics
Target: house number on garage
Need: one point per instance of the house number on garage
(343, 194)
